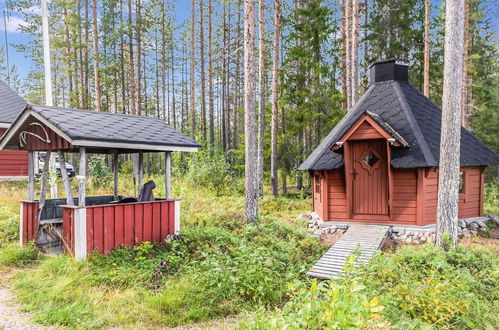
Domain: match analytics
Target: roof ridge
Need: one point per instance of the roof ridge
(327, 141)
(41, 107)
(430, 159)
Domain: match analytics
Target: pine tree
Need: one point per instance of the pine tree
(252, 184)
(448, 179)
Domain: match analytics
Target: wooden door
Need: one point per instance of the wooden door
(370, 177)
(318, 194)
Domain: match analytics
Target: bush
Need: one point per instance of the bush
(9, 225)
(98, 169)
(491, 201)
(14, 255)
(412, 288)
(210, 172)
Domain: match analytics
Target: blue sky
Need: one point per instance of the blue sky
(182, 12)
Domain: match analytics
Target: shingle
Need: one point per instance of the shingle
(111, 127)
(11, 104)
(410, 114)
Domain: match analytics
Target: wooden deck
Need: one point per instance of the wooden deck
(368, 237)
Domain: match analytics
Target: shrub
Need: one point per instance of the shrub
(9, 225)
(14, 255)
(210, 172)
(491, 201)
(99, 171)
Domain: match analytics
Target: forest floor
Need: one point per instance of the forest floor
(226, 274)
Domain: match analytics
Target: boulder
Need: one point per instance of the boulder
(494, 218)
(473, 226)
(461, 223)
(423, 239)
(481, 224)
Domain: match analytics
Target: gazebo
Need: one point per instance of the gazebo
(94, 223)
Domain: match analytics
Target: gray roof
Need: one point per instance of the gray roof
(11, 104)
(410, 114)
(107, 130)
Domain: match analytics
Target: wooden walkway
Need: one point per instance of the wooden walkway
(368, 237)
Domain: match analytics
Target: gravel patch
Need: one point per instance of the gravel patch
(11, 318)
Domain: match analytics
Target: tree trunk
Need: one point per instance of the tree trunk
(210, 79)
(448, 183)
(193, 87)
(426, 65)
(163, 60)
(131, 60)
(203, 83)
(355, 51)
(261, 78)
(139, 57)
(98, 106)
(275, 97)
(464, 96)
(174, 108)
(251, 205)
(344, 95)
(348, 50)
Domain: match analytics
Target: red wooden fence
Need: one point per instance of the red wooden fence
(28, 227)
(103, 228)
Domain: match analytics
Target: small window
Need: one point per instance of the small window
(461, 182)
(317, 184)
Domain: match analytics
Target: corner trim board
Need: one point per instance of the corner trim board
(80, 232)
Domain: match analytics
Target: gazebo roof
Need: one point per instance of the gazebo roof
(99, 132)
(11, 105)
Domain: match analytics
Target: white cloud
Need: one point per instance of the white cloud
(14, 20)
(13, 23)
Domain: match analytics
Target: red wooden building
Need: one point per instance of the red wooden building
(83, 224)
(380, 163)
(13, 164)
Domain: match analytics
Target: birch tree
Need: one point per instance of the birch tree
(275, 97)
(448, 182)
(252, 184)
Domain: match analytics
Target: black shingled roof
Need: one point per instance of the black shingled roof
(414, 117)
(11, 104)
(92, 128)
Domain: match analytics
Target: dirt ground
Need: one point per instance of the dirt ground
(11, 317)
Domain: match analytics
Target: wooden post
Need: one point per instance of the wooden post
(43, 187)
(140, 173)
(168, 177)
(115, 174)
(31, 175)
(82, 176)
(65, 179)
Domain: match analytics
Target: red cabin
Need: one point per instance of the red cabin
(13, 164)
(84, 224)
(380, 163)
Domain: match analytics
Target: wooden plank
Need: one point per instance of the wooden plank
(168, 177)
(108, 224)
(331, 264)
(82, 174)
(129, 225)
(119, 221)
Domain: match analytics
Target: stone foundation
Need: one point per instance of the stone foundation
(411, 235)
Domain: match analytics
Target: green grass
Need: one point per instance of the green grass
(414, 288)
(223, 267)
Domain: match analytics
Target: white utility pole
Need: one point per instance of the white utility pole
(48, 88)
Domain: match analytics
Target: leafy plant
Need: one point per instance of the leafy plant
(99, 171)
